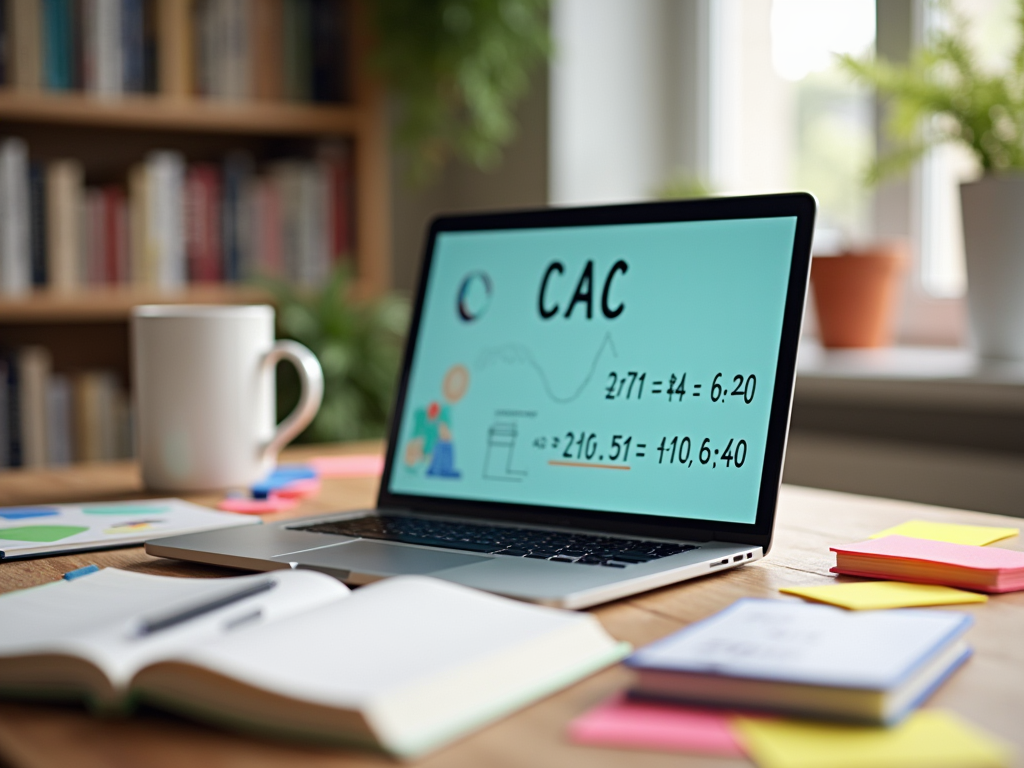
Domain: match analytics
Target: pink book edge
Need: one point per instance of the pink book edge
(941, 552)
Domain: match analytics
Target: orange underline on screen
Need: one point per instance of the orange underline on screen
(554, 463)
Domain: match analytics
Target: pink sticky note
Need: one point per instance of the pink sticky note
(943, 552)
(622, 722)
(357, 465)
(257, 506)
(297, 489)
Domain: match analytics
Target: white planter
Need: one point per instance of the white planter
(993, 214)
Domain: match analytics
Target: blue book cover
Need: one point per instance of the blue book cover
(132, 30)
(37, 222)
(806, 643)
(58, 44)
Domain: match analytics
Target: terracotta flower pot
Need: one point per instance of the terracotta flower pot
(856, 295)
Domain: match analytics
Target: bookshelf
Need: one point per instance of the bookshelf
(86, 327)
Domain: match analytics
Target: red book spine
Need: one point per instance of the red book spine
(202, 232)
(113, 205)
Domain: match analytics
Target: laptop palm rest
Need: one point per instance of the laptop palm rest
(380, 558)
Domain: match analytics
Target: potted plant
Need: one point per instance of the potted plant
(456, 68)
(359, 346)
(942, 94)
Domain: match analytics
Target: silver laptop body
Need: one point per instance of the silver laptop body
(594, 402)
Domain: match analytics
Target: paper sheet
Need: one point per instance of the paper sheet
(622, 722)
(978, 535)
(873, 595)
(926, 739)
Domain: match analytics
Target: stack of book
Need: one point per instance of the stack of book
(52, 419)
(174, 222)
(229, 49)
(807, 660)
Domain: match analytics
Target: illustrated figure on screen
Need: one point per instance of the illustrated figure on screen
(431, 442)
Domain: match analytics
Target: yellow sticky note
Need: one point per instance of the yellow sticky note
(926, 739)
(875, 595)
(978, 535)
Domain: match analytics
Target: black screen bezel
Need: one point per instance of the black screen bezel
(800, 205)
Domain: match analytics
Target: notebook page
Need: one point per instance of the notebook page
(97, 616)
(387, 636)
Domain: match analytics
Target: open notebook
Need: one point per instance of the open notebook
(403, 665)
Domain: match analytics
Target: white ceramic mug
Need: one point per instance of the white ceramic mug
(204, 394)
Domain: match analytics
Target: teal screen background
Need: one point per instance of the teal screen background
(495, 389)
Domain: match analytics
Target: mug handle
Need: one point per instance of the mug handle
(312, 394)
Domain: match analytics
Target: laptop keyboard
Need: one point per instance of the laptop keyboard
(561, 547)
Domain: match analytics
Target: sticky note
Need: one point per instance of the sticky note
(926, 739)
(978, 535)
(257, 506)
(358, 465)
(622, 722)
(874, 595)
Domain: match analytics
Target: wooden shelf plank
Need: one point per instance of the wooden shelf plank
(179, 114)
(114, 304)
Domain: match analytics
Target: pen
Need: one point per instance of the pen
(159, 623)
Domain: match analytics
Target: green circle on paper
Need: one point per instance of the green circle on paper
(44, 533)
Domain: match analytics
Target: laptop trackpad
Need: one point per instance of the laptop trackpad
(381, 558)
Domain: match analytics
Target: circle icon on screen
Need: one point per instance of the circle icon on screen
(474, 296)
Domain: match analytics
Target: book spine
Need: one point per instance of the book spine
(150, 74)
(77, 50)
(37, 223)
(27, 42)
(175, 47)
(325, 51)
(57, 44)
(297, 53)
(13, 389)
(5, 45)
(140, 270)
(132, 46)
(109, 53)
(85, 410)
(203, 229)
(237, 47)
(15, 232)
(34, 365)
(5, 416)
(58, 421)
(92, 247)
(166, 177)
(120, 239)
(266, 56)
(236, 216)
(63, 212)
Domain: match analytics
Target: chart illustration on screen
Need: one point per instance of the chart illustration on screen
(432, 444)
(500, 453)
(519, 354)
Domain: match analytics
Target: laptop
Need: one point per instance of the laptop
(593, 402)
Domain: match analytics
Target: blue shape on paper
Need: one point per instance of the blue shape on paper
(21, 513)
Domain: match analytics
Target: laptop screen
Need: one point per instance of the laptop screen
(617, 368)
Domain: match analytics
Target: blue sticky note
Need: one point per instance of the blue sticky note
(21, 513)
(280, 477)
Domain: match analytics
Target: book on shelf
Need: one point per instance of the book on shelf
(404, 665)
(15, 218)
(174, 222)
(179, 47)
(52, 419)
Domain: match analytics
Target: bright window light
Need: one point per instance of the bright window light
(807, 34)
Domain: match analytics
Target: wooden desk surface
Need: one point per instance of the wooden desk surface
(988, 691)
